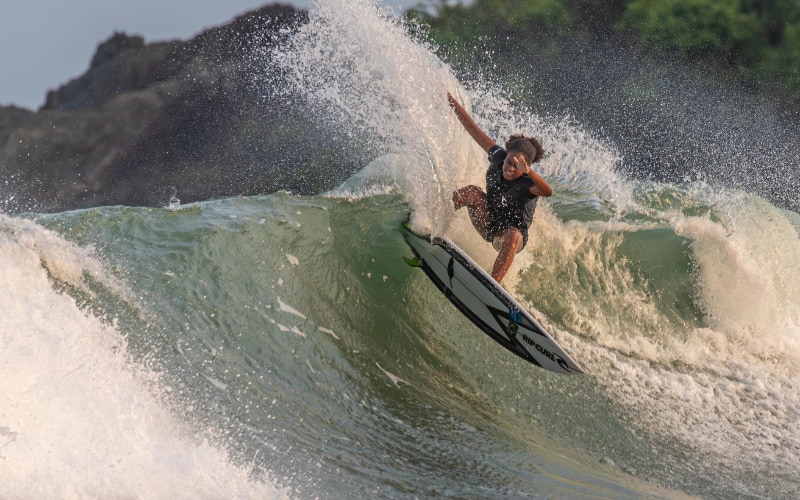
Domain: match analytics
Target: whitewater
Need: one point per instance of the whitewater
(277, 346)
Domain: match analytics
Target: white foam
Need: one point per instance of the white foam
(328, 331)
(750, 280)
(727, 388)
(291, 310)
(78, 417)
(394, 378)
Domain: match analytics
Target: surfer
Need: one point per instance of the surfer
(502, 214)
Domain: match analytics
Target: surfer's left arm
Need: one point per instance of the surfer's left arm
(540, 186)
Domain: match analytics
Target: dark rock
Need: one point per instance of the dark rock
(109, 49)
(194, 116)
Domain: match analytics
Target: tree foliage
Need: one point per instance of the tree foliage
(458, 22)
(695, 27)
(757, 39)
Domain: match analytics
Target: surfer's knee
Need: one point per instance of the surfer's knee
(509, 240)
(467, 196)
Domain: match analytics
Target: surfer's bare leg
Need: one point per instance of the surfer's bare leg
(510, 241)
(474, 199)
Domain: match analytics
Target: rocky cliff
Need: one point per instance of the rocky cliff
(195, 117)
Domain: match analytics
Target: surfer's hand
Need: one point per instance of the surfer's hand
(521, 165)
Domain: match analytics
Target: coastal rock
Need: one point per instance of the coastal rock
(197, 118)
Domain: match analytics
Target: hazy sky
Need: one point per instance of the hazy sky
(46, 43)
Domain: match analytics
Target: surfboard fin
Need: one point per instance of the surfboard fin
(415, 262)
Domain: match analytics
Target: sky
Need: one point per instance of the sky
(46, 43)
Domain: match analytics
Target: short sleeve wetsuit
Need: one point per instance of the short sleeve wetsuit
(510, 204)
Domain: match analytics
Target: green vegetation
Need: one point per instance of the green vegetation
(756, 40)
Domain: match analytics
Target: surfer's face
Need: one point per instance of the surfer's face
(514, 165)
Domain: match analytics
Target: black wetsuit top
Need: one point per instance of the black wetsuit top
(510, 204)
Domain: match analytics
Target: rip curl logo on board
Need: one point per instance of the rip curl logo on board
(512, 329)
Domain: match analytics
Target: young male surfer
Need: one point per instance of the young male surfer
(503, 214)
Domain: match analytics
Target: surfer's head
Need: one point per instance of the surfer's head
(528, 146)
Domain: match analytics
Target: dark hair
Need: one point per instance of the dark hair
(529, 146)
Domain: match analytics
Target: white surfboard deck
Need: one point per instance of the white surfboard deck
(487, 304)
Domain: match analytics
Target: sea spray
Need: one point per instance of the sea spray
(359, 70)
(363, 73)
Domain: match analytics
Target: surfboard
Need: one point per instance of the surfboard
(484, 302)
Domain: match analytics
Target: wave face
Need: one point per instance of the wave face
(278, 346)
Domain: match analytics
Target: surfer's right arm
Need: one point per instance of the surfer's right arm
(483, 140)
